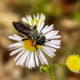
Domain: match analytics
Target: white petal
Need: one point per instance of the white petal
(52, 45)
(52, 37)
(22, 58)
(55, 42)
(37, 16)
(40, 27)
(36, 59)
(42, 17)
(31, 61)
(51, 33)
(29, 64)
(15, 48)
(18, 44)
(24, 20)
(48, 29)
(17, 36)
(19, 55)
(57, 36)
(27, 18)
(16, 51)
(43, 30)
(34, 17)
(14, 38)
(30, 18)
(27, 61)
(42, 57)
(49, 51)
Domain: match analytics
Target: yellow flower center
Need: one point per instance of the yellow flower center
(73, 63)
(31, 45)
(32, 21)
(37, 21)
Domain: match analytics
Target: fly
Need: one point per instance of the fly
(30, 32)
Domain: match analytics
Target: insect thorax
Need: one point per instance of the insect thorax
(40, 40)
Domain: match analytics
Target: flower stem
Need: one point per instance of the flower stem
(55, 65)
(60, 64)
(48, 69)
(52, 77)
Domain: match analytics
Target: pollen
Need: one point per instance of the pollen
(73, 63)
(31, 45)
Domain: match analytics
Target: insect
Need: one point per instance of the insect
(30, 32)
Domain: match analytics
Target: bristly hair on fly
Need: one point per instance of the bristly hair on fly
(30, 32)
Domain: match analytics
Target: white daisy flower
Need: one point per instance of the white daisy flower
(36, 20)
(27, 54)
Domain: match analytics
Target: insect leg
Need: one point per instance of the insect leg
(24, 39)
(33, 44)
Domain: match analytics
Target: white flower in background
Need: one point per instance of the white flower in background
(27, 54)
(36, 20)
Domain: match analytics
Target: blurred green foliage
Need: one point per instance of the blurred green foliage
(77, 12)
(77, 16)
(47, 7)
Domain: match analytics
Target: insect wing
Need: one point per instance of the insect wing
(21, 27)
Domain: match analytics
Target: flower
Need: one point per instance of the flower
(73, 63)
(29, 55)
(36, 20)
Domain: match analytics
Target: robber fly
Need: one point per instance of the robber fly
(30, 32)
